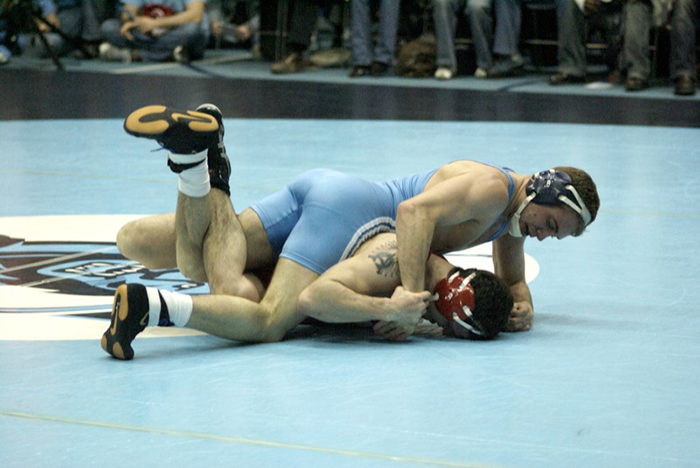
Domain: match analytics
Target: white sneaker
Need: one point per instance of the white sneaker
(181, 55)
(443, 73)
(113, 53)
(5, 55)
(480, 73)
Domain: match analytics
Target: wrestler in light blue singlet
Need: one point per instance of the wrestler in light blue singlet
(323, 216)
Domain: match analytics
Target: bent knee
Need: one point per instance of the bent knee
(247, 286)
(274, 319)
(270, 330)
(192, 272)
(127, 242)
(138, 244)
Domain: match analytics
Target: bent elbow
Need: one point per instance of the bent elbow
(406, 211)
(306, 303)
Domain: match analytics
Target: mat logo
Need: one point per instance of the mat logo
(76, 268)
(58, 275)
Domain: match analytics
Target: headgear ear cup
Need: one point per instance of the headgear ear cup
(555, 188)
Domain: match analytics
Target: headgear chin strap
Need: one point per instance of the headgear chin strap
(456, 300)
(514, 223)
(550, 188)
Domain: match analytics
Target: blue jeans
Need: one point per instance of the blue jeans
(361, 31)
(508, 23)
(572, 31)
(79, 22)
(192, 36)
(480, 23)
(638, 23)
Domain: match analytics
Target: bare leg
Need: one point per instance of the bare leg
(211, 245)
(236, 318)
(152, 242)
(205, 237)
(149, 241)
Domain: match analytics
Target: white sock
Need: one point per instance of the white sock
(193, 182)
(179, 307)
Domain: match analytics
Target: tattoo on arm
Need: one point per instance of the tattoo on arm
(385, 259)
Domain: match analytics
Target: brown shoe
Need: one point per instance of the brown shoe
(293, 63)
(684, 86)
(562, 78)
(636, 83)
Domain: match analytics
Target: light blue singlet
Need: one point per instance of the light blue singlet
(323, 216)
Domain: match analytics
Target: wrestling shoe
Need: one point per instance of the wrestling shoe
(217, 159)
(129, 318)
(180, 132)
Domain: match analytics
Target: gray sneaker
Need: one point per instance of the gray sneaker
(112, 53)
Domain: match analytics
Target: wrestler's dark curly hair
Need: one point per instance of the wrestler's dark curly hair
(493, 303)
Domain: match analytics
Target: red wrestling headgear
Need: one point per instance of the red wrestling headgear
(456, 300)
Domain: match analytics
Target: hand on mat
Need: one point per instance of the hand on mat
(520, 317)
(394, 331)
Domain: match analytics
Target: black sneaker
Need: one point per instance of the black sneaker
(181, 132)
(636, 83)
(217, 159)
(129, 318)
(508, 67)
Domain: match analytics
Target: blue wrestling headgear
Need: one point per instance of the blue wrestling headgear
(550, 188)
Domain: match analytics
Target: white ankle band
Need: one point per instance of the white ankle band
(193, 182)
(179, 307)
(153, 306)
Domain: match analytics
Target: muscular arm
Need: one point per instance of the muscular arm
(461, 199)
(193, 14)
(509, 264)
(357, 290)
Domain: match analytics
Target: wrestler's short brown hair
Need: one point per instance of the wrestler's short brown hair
(586, 188)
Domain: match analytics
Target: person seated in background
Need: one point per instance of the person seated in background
(230, 28)
(638, 24)
(77, 20)
(366, 61)
(574, 18)
(169, 30)
(445, 16)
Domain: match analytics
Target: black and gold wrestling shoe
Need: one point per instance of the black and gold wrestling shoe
(217, 159)
(180, 132)
(129, 318)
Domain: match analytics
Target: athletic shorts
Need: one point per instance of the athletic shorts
(323, 216)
